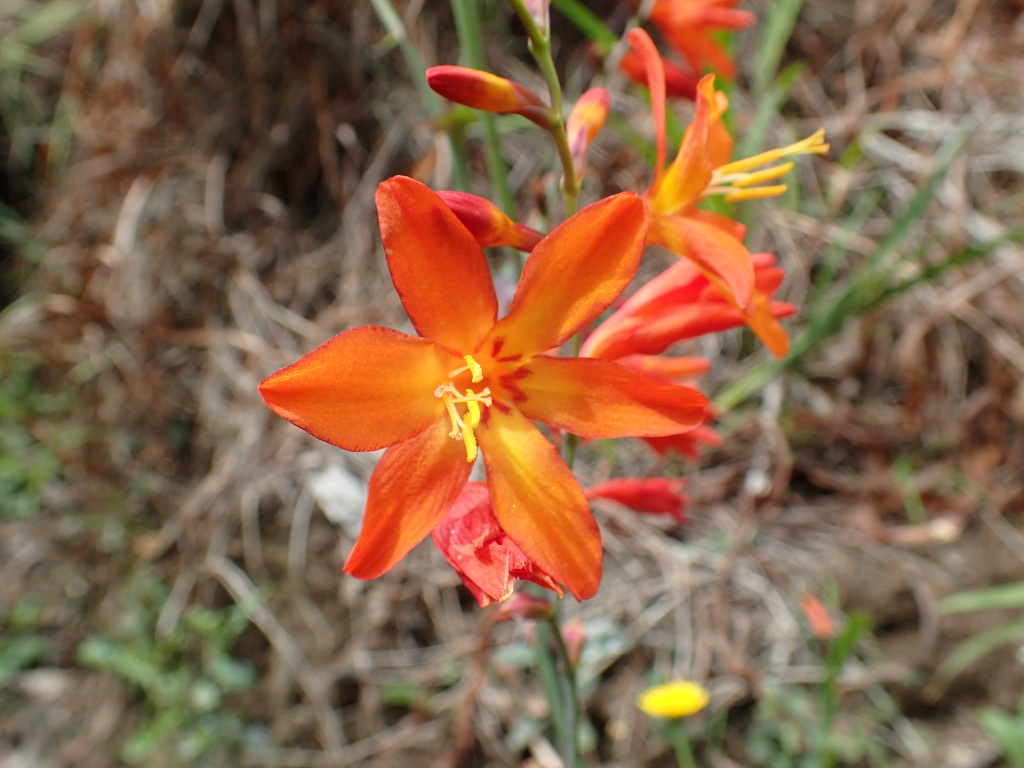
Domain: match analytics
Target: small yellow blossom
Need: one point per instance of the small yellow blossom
(674, 700)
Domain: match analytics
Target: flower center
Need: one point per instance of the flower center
(739, 180)
(465, 422)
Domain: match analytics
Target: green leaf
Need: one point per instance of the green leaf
(989, 599)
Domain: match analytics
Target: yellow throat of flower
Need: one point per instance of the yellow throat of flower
(464, 423)
(738, 180)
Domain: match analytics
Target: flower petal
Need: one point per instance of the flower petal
(484, 556)
(364, 389)
(539, 504)
(572, 276)
(722, 258)
(411, 488)
(596, 398)
(654, 73)
(437, 266)
(652, 495)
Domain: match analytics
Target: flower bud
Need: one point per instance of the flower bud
(585, 121)
(488, 224)
(483, 90)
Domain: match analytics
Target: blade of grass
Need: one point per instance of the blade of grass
(393, 23)
(467, 25)
(990, 599)
(586, 22)
(867, 288)
(776, 28)
(975, 648)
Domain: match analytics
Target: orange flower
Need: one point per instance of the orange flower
(476, 547)
(681, 303)
(490, 93)
(701, 169)
(478, 379)
(690, 26)
(679, 83)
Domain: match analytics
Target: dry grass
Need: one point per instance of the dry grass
(216, 221)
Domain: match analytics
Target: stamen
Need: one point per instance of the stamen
(755, 193)
(474, 366)
(471, 365)
(464, 424)
(812, 145)
(768, 174)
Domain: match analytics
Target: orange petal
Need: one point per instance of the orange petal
(572, 276)
(411, 488)
(364, 389)
(599, 398)
(723, 259)
(539, 504)
(760, 316)
(654, 71)
(690, 173)
(437, 266)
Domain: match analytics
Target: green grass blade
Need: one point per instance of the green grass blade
(990, 599)
(586, 22)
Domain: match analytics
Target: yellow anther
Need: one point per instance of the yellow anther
(768, 174)
(755, 193)
(812, 145)
(470, 440)
(474, 366)
(473, 408)
(476, 372)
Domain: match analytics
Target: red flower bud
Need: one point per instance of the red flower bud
(488, 224)
(652, 495)
(483, 90)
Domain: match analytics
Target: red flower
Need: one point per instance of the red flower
(653, 495)
(486, 559)
(475, 378)
(488, 224)
(490, 93)
(681, 303)
(690, 26)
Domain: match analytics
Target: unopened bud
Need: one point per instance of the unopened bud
(488, 224)
(483, 90)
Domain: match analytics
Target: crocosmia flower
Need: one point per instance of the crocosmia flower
(691, 26)
(681, 303)
(473, 382)
(701, 169)
(476, 547)
(651, 495)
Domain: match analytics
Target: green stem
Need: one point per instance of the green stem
(569, 694)
(540, 47)
(680, 741)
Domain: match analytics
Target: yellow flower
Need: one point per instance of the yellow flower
(674, 700)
